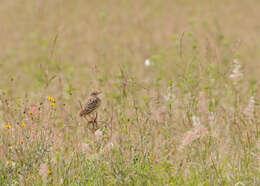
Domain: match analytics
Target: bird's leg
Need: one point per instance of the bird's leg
(90, 121)
(93, 125)
(86, 118)
(96, 120)
(92, 128)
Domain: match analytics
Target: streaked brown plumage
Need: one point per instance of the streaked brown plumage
(92, 103)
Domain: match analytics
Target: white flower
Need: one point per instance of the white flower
(170, 96)
(11, 163)
(147, 62)
(195, 121)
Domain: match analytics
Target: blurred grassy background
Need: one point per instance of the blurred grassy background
(66, 49)
(110, 33)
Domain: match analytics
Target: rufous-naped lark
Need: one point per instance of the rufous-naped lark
(92, 103)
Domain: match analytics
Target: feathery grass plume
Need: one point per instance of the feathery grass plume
(249, 110)
(258, 150)
(3, 150)
(61, 181)
(56, 139)
(160, 114)
(86, 149)
(34, 110)
(98, 135)
(212, 119)
(236, 74)
(108, 148)
(195, 133)
(203, 106)
(43, 171)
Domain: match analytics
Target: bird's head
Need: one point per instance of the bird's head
(95, 93)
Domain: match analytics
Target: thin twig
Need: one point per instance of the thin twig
(181, 43)
(80, 104)
(54, 45)
(111, 121)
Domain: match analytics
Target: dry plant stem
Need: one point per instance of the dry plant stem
(111, 122)
(181, 43)
(95, 122)
(80, 104)
(54, 43)
(236, 47)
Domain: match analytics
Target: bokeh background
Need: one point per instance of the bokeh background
(73, 36)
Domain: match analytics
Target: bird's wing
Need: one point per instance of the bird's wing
(91, 104)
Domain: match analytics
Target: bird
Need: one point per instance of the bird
(92, 103)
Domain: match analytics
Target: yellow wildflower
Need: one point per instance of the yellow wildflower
(12, 163)
(105, 136)
(76, 176)
(51, 99)
(173, 171)
(23, 125)
(8, 126)
(49, 172)
(30, 176)
(21, 142)
(30, 113)
(52, 104)
(9, 132)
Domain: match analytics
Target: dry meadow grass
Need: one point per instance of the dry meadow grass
(180, 82)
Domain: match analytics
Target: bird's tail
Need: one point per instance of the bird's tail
(82, 113)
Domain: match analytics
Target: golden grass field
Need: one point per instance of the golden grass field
(180, 101)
